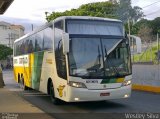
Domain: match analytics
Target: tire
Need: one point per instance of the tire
(54, 100)
(22, 85)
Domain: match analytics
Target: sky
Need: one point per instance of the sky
(28, 12)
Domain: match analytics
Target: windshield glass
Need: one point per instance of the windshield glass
(97, 57)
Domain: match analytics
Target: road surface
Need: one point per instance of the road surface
(139, 102)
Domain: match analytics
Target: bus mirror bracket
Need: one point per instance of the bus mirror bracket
(65, 39)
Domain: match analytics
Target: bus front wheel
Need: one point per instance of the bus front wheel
(54, 100)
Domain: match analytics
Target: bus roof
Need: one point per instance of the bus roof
(68, 17)
(87, 18)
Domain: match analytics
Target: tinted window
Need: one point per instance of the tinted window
(59, 25)
(47, 40)
(59, 56)
(39, 41)
(31, 44)
(26, 42)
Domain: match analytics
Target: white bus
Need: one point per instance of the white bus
(75, 58)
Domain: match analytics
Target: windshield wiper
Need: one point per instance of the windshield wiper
(111, 63)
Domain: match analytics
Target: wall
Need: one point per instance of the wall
(146, 74)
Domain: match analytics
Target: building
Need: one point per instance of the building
(4, 4)
(10, 32)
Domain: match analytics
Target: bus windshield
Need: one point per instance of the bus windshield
(98, 58)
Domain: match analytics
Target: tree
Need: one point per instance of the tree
(136, 27)
(98, 9)
(5, 52)
(119, 9)
(145, 33)
(155, 24)
(125, 11)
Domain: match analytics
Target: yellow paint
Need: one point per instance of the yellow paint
(31, 63)
(146, 88)
(26, 74)
(60, 90)
(120, 80)
(15, 74)
(26, 71)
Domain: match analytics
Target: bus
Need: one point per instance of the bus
(74, 59)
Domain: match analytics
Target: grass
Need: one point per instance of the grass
(147, 56)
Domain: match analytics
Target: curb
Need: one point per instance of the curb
(154, 89)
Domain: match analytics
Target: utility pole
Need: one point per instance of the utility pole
(32, 26)
(9, 37)
(129, 29)
(10, 40)
(157, 41)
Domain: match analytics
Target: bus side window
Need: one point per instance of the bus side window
(47, 39)
(21, 47)
(30, 45)
(39, 41)
(60, 61)
(59, 56)
(26, 46)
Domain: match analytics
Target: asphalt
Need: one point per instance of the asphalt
(14, 105)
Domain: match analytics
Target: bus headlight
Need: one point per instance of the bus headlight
(77, 84)
(126, 83)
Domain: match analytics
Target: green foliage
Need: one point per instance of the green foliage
(125, 11)
(5, 52)
(108, 9)
(136, 27)
(145, 33)
(147, 56)
(155, 24)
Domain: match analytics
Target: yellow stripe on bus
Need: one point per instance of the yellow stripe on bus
(120, 80)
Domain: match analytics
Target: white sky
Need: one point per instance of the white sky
(26, 12)
(35, 9)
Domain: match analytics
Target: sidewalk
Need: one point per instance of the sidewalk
(11, 104)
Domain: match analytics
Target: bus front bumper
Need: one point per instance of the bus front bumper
(83, 94)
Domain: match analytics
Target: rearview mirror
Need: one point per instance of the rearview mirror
(65, 39)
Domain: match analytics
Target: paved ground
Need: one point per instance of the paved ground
(139, 102)
(13, 105)
(19, 105)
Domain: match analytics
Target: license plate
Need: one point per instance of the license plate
(104, 94)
